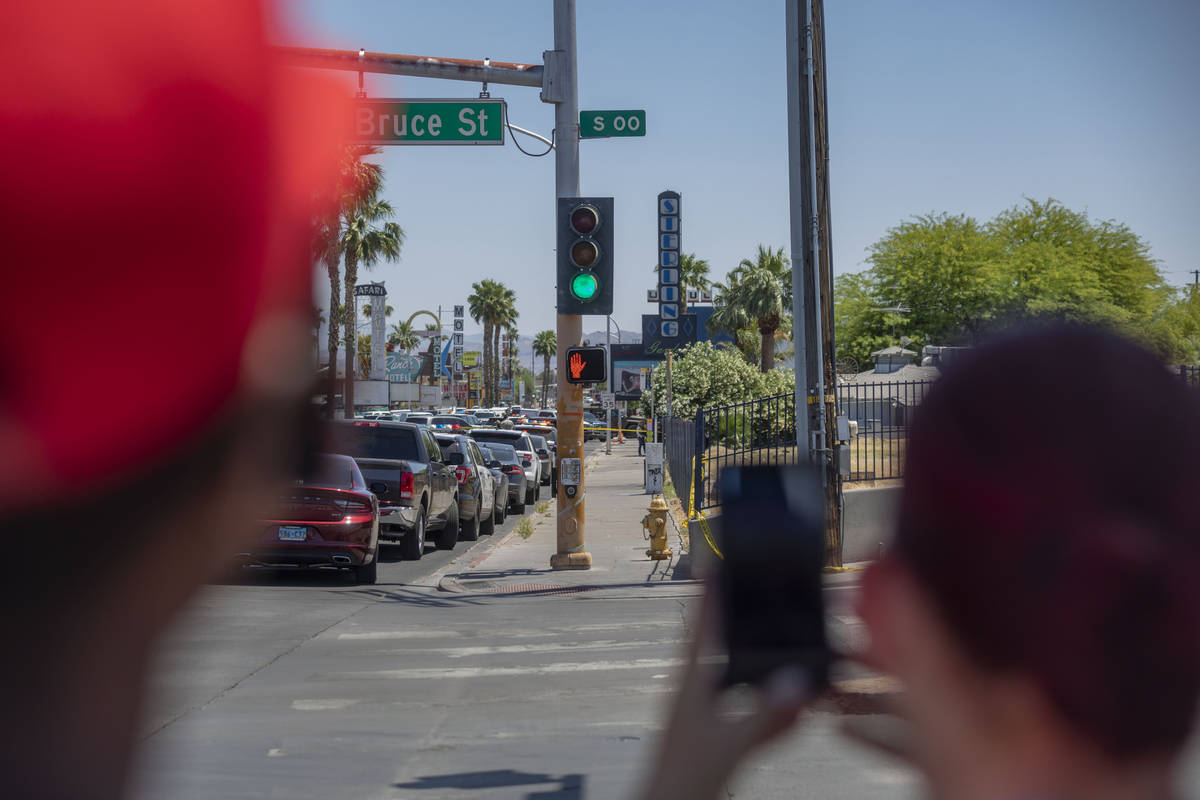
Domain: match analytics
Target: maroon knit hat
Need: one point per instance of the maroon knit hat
(1052, 508)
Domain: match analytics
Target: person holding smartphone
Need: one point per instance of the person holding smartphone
(1040, 604)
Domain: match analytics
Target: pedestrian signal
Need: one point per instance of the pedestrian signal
(586, 365)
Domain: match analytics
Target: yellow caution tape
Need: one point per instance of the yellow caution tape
(693, 514)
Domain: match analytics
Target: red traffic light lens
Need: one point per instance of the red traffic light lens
(585, 220)
(585, 253)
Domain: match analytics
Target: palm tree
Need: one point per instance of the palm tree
(757, 294)
(363, 242)
(364, 354)
(403, 337)
(775, 262)
(356, 180)
(366, 312)
(492, 304)
(545, 344)
(513, 360)
(693, 272)
(505, 319)
(318, 319)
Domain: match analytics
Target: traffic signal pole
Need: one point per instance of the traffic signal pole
(562, 90)
(557, 77)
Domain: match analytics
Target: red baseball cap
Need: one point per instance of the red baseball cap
(159, 170)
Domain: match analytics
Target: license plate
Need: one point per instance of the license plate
(289, 533)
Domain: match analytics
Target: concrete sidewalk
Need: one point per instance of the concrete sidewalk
(614, 509)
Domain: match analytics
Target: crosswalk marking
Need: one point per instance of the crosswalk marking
(401, 635)
(459, 673)
(511, 632)
(464, 652)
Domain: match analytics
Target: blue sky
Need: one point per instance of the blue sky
(934, 105)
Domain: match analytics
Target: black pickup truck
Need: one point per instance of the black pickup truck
(402, 465)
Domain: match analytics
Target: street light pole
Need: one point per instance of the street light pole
(562, 89)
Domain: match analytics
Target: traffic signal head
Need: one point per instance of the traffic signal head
(586, 365)
(585, 261)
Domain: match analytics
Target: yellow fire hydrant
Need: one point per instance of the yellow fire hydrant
(656, 524)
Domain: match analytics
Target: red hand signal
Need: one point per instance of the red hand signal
(577, 365)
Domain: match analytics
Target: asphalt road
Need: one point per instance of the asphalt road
(234, 629)
(294, 685)
(287, 685)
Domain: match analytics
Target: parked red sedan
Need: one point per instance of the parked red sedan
(330, 519)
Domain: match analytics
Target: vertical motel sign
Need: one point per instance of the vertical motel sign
(668, 262)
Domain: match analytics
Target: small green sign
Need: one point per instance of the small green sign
(599, 124)
(399, 121)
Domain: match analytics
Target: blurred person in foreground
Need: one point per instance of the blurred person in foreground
(1040, 602)
(159, 176)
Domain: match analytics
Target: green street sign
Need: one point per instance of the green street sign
(401, 121)
(600, 124)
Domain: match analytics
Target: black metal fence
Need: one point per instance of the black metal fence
(755, 432)
(882, 413)
(764, 432)
(679, 450)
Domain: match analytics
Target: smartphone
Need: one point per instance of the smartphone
(772, 537)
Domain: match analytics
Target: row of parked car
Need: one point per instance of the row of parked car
(465, 419)
(402, 482)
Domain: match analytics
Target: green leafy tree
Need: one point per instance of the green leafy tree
(943, 279)
(945, 270)
(545, 344)
(1059, 264)
(1175, 330)
(524, 377)
(367, 236)
(863, 326)
(704, 375)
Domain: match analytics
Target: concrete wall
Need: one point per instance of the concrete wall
(867, 521)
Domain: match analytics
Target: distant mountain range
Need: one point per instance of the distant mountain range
(474, 341)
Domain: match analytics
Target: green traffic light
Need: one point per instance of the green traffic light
(584, 286)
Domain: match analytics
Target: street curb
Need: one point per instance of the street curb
(449, 583)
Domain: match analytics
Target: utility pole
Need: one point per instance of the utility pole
(812, 305)
(833, 480)
(563, 90)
